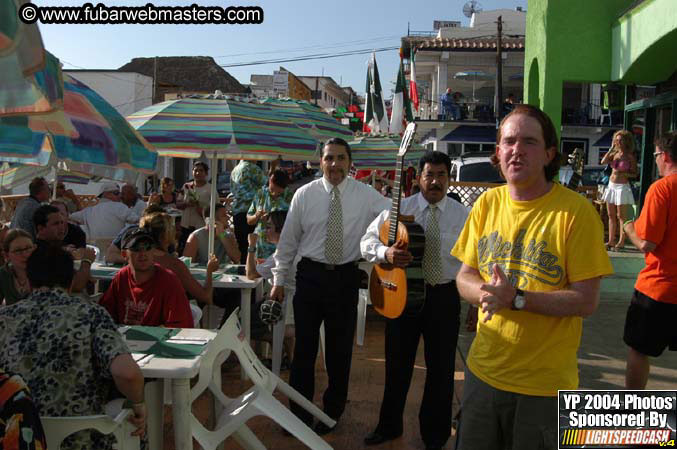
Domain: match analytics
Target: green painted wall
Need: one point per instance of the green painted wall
(642, 41)
(568, 41)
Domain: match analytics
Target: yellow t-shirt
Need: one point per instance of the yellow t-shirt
(542, 245)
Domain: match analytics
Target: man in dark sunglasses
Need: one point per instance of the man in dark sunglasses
(144, 293)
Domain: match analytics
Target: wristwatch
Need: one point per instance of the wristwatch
(251, 249)
(518, 302)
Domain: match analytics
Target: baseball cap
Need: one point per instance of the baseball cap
(108, 187)
(136, 236)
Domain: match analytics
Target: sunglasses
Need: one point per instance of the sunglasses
(141, 247)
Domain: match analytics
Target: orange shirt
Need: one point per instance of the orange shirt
(657, 223)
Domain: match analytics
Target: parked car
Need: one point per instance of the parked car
(474, 167)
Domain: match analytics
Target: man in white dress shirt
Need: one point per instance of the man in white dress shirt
(437, 320)
(326, 219)
(105, 219)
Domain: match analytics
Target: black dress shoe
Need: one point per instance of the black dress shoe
(321, 428)
(376, 438)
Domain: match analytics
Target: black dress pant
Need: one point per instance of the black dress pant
(438, 322)
(242, 229)
(328, 296)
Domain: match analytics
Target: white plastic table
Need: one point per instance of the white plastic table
(105, 272)
(178, 372)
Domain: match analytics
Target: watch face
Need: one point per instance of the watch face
(519, 302)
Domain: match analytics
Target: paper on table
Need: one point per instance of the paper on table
(140, 346)
(141, 358)
(191, 334)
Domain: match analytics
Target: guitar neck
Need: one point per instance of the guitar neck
(395, 207)
(574, 181)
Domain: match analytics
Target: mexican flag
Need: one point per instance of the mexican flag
(412, 82)
(375, 115)
(401, 113)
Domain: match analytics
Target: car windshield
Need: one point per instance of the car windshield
(592, 177)
(479, 172)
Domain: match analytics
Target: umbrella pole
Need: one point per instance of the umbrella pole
(54, 171)
(212, 203)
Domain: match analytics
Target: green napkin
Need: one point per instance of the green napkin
(142, 333)
(203, 276)
(166, 349)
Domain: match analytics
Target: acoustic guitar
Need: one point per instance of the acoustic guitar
(396, 290)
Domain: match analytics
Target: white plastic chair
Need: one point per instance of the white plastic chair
(258, 400)
(113, 422)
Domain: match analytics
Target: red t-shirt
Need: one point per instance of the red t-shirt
(160, 301)
(657, 223)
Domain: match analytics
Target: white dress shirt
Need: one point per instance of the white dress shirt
(305, 229)
(451, 218)
(105, 219)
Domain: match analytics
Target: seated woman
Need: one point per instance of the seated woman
(68, 351)
(264, 268)
(14, 284)
(167, 195)
(161, 227)
(225, 244)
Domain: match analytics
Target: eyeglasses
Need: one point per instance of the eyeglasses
(142, 247)
(115, 192)
(17, 251)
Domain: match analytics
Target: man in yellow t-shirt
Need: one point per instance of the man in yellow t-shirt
(533, 256)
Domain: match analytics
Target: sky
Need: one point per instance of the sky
(291, 28)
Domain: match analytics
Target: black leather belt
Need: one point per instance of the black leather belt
(325, 266)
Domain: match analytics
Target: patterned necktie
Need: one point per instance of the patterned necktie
(432, 265)
(333, 247)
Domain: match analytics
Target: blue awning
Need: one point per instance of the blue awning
(469, 133)
(605, 141)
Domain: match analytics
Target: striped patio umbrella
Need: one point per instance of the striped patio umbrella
(222, 128)
(104, 143)
(380, 152)
(13, 175)
(31, 77)
(311, 118)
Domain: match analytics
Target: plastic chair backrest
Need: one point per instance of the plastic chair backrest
(59, 428)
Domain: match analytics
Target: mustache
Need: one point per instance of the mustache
(435, 188)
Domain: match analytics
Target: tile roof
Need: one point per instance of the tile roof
(470, 44)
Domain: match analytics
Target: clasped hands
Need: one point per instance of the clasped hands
(497, 294)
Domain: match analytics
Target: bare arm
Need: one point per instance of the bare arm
(129, 381)
(81, 277)
(468, 282)
(114, 255)
(578, 299)
(191, 247)
(641, 244)
(191, 285)
(609, 156)
(251, 271)
(230, 244)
